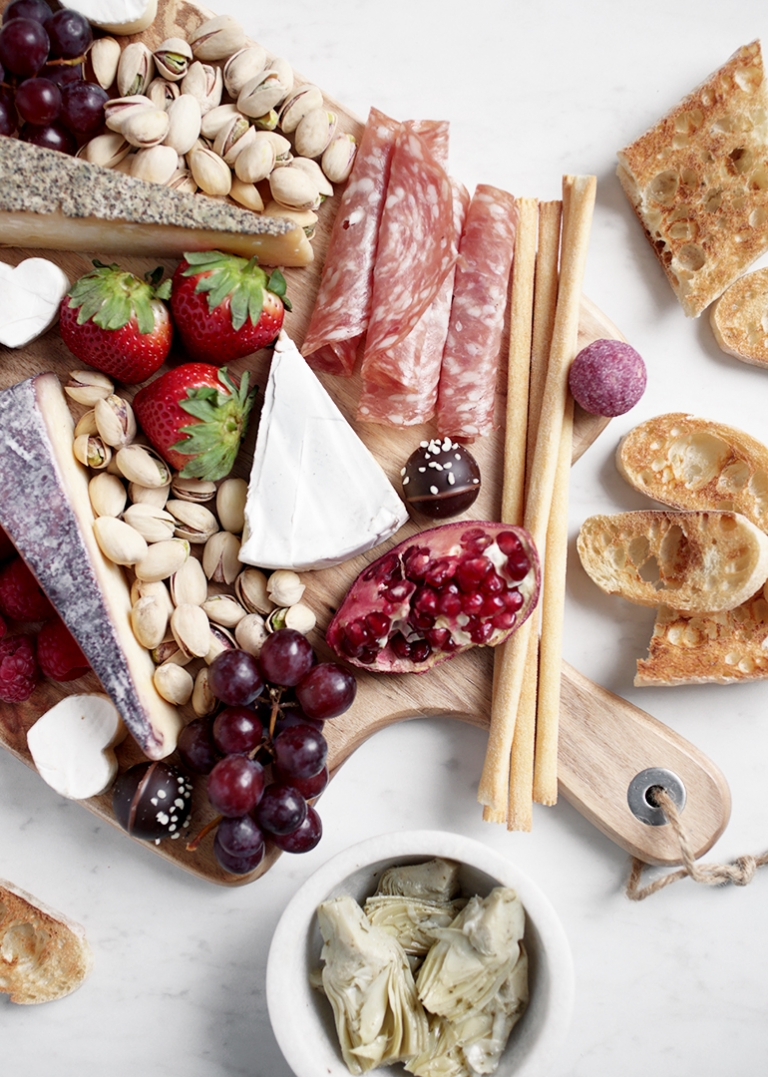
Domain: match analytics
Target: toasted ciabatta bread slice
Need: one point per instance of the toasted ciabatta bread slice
(696, 561)
(43, 954)
(739, 318)
(719, 648)
(698, 181)
(692, 463)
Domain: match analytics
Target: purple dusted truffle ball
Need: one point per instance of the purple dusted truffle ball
(607, 377)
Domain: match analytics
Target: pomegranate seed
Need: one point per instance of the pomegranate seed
(377, 624)
(449, 600)
(481, 632)
(387, 569)
(425, 601)
(518, 565)
(493, 584)
(504, 620)
(440, 571)
(399, 592)
(422, 621)
(368, 655)
(420, 650)
(472, 604)
(440, 639)
(493, 604)
(357, 633)
(475, 540)
(416, 561)
(400, 646)
(471, 571)
(513, 600)
(508, 543)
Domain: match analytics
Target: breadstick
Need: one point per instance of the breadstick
(515, 440)
(578, 204)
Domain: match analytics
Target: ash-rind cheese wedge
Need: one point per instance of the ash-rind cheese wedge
(316, 495)
(45, 508)
(51, 200)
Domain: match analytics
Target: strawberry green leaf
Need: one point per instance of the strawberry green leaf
(227, 276)
(213, 442)
(113, 297)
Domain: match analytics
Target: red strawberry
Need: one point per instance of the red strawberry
(58, 653)
(18, 669)
(20, 594)
(195, 415)
(225, 307)
(118, 323)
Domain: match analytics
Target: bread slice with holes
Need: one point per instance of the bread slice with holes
(695, 561)
(691, 463)
(739, 318)
(43, 954)
(698, 181)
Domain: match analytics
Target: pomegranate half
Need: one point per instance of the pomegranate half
(437, 594)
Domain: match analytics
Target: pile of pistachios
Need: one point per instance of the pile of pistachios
(218, 114)
(179, 540)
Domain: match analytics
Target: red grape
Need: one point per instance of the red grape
(23, 47)
(326, 691)
(281, 810)
(197, 752)
(304, 838)
(234, 678)
(38, 100)
(301, 751)
(61, 74)
(27, 9)
(308, 787)
(237, 865)
(70, 34)
(286, 656)
(237, 731)
(7, 113)
(51, 136)
(235, 785)
(240, 835)
(82, 107)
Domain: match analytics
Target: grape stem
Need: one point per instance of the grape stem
(193, 843)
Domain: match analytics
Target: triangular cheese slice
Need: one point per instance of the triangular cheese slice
(316, 495)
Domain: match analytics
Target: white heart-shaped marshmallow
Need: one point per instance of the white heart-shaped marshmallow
(30, 294)
(73, 743)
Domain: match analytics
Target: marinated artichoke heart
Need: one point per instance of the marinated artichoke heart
(369, 985)
(412, 921)
(433, 880)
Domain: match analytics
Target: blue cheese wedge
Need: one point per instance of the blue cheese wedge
(316, 495)
(51, 200)
(46, 511)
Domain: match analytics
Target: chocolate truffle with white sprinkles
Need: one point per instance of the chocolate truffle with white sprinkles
(152, 801)
(440, 479)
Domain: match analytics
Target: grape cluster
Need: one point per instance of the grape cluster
(264, 753)
(44, 96)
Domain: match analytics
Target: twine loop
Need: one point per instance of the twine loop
(740, 872)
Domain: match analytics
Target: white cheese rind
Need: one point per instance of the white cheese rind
(316, 495)
(72, 745)
(46, 511)
(116, 16)
(30, 294)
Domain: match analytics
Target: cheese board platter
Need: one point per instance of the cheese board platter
(604, 741)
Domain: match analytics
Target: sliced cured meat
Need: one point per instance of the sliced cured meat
(340, 315)
(421, 352)
(416, 248)
(467, 387)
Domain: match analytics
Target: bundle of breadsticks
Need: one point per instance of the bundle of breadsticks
(550, 256)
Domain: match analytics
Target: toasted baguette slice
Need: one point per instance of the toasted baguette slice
(43, 954)
(739, 318)
(692, 463)
(698, 181)
(697, 561)
(719, 648)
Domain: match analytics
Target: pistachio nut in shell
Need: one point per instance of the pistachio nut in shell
(205, 83)
(297, 104)
(217, 38)
(88, 386)
(215, 118)
(184, 121)
(155, 164)
(251, 590)
(189, 584)
(246, 194)
(118, 109)
(221, 562)
(194, 522)
(173, 683)
(182, 181)
(284, 72)
(152, 589)
(212, 175)
(187, 489)
(118, 541)
(135, 69)
(250, 633)
(86, 424)
(204, 702)
(107, 149)
(149, 621)
(230, 504)
(191, 629)
(172, 58)
(338, 157)
(169, 653)
(293, 188)
(221, 639)
(223, 610)
(143, 465)
(257, 160)
(284, 587)
(153, 524)
(314, 132)
(103, 58)
(162, 93)
(262, 93)
(242, 66)
(148, 495)
(145, 127)
(306, 219)
(162, 559)
(233, 137)
(115, 421)
(90, 450)
(107, 494)
(315, 173)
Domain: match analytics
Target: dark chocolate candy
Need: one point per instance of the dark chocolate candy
(152, 801)
(440, 479)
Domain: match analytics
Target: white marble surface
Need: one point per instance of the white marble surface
(677, 984)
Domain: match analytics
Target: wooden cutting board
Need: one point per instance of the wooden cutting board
(604, 741)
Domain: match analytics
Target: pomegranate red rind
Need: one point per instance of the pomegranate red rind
(437, 594)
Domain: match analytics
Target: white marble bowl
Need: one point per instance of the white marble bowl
(301, 1016)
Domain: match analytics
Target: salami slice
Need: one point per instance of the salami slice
(467, 389)
(416, 244)
(340, 315)
(423, 348)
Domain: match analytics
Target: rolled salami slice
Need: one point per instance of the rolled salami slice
(416, 248)
(467, 387)
(423, 352)
(340, 315)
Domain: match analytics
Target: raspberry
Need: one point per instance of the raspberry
(19, 672)
(58, 653)
(20, 594)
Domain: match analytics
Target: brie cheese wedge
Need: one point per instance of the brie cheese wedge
(30, 294)
(116, 16)
(316, 495)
